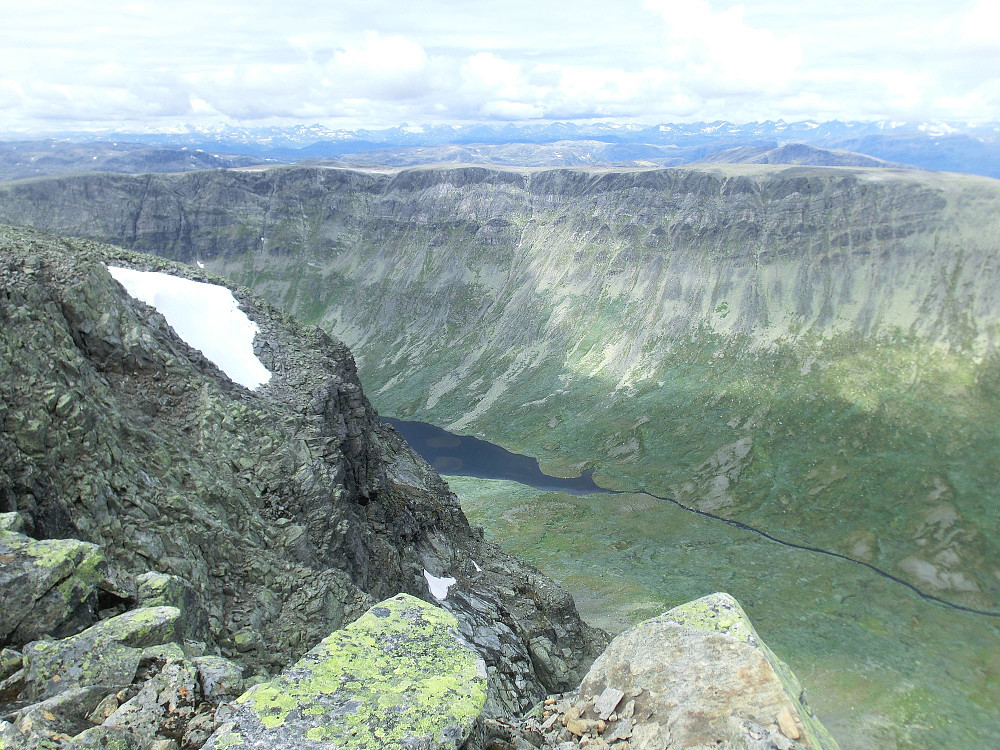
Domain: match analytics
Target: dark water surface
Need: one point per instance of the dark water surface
(470, 457)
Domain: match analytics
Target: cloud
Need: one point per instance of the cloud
(383, 62)
(720, 52)
(391, 67)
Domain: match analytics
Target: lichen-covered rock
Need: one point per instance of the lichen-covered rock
(700, 676)
(107, 653)
(11, 522)
(53, 721)
(163, 706)
(10, 662)
(399, 676)
(50, 586)
(103, 738)
(165, 590)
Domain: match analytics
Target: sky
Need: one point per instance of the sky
(380, 63)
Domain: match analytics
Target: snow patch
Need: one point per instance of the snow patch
(206, 316)
(438, 586)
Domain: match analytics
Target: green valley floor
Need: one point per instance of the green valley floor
(882, 667)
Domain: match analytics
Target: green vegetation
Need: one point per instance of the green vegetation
(881, 667)
(810, 351)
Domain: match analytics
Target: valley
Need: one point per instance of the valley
(808, 351)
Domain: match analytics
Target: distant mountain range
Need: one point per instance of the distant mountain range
(935, 146)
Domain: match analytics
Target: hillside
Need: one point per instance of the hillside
(810, 351)
(288, 509)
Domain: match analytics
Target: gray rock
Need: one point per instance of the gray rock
(608, 701)
(12, 686)
(400, 676)
(165, 590)
(56, 719)
(107, 653)
(11, 522)
(50, 586)
(10, 662)
(220, 678)
(163, 706)
(698, 665)
(104, 738)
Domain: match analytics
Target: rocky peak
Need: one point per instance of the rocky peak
(287, 510)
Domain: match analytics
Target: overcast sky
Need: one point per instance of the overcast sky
(76, 65)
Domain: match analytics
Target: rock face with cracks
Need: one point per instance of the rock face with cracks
(246, 525)
(699, 676)
(399, 676)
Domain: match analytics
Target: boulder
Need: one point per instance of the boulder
(166, 590)
(399, 676)
(50, 586)
(107, 653)
(52, 722)
(220, 678)
(699, 676)
(163, 706)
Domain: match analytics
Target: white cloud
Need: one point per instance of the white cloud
(981, 25)
(719, 50)
(383, 62)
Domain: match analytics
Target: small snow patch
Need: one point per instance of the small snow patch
(438, 586)
(476, 565)
(200, 264)
(206, 316)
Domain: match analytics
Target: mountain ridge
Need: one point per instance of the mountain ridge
(811, 351)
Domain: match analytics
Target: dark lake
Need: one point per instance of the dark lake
(471, 457)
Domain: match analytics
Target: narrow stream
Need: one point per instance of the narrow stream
(468, 456)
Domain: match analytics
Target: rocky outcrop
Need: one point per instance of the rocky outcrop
(246, 525)
(50, 587)
(697, 676)
(399, 676)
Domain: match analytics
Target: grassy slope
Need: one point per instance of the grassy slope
(882, 667)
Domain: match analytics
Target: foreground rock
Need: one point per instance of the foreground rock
(399, 676)
(697, 676)
(270, 517)
(49, 587)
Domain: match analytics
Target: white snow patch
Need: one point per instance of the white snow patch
(200, 264)
(438, 586)
(206, 316)
(476, 566)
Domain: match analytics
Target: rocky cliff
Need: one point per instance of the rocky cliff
(280, 514)
(169, 537)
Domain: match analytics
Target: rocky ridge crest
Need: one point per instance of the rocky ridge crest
(277, 515)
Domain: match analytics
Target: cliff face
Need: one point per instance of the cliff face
(780, 345)
(168, 536)
(286, 511)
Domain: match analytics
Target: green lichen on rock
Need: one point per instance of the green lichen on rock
(11, 522)
(50, 586)
(702, 677)
(718, 612)
(721, 613)
(104, 654)
(399, 676)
